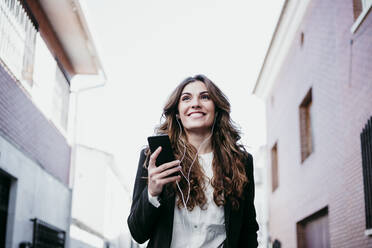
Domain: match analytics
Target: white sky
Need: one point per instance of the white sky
(148, 47)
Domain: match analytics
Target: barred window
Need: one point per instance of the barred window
(18, 31)
(366, 143)
(47, 236)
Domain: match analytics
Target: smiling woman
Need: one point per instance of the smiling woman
(211, 203)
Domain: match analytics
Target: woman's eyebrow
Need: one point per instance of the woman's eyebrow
(188, 93)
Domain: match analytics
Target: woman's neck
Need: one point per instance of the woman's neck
(198, 140)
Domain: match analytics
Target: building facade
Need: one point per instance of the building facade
(43, 44)
(316, 83)
(101, 202)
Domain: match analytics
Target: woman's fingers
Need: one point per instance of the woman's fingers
(168, 172)
(154, 156)
(166, 166)
(168, 180)
(157, 176)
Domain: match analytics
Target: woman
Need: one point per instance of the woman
(210, 202)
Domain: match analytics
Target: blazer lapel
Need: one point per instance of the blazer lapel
(227, 210)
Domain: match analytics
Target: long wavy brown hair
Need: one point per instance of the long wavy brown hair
(228, 161)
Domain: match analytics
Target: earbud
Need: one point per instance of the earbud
(177, 116)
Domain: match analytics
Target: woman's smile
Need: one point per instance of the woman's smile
(196, 114)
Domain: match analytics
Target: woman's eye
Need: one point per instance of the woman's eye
(185, 98)
(206, 97)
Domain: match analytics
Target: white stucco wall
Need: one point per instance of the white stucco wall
(100, 201)
(34, 193)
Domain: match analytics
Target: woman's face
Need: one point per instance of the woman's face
(196, 109)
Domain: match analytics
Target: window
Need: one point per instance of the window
(305, 127)
(360, 9)
(366, 144)
(274, 167)
(313, 231)
(302, 39)
(51, 87)
(60, 99)
(359, 6)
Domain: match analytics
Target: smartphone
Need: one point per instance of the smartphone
(166, 155)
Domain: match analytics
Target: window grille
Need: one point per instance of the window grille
(366, 143)
(17, 39)
(47, 236)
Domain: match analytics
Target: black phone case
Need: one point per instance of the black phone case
(166, 155)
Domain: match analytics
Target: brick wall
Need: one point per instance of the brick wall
(339, 73)
(26, 127)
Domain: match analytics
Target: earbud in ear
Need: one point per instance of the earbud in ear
(177, 116)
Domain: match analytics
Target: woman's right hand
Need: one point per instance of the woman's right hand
(157, 176)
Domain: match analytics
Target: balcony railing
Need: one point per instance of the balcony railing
(17, 39)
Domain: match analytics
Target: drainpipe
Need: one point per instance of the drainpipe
(78, 85)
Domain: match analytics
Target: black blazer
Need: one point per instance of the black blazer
(148, 222)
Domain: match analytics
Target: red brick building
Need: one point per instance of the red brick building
(316, 81)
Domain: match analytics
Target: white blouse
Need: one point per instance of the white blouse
(199, 228)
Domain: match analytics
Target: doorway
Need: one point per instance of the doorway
(4, 204)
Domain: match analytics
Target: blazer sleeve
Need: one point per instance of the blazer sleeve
(248, 235)
(143, 215)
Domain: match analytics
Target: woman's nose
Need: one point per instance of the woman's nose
(195, 103)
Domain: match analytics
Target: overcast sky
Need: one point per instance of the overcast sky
(148, 47)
